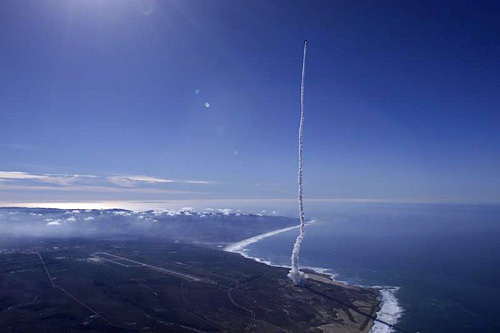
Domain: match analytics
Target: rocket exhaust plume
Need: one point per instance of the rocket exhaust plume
(295, 274)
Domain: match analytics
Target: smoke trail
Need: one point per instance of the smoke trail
(295, 274)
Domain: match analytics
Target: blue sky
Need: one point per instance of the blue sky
(106, 100)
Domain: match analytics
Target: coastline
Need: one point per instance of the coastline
(390, 311)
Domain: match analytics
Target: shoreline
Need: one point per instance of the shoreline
(390, 311)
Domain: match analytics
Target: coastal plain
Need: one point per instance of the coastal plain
(121, 271)
(98, 285)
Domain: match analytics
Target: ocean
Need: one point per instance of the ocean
(439, 263)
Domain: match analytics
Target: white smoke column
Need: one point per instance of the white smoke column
(295, 274)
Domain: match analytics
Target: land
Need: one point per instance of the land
(96, 285)
(155, 271)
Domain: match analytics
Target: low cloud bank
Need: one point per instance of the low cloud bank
(185, 224)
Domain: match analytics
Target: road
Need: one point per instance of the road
(55, 286)
(129, 263)
(106, 256)
(134, 263)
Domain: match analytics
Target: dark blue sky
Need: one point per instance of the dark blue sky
(99, 99)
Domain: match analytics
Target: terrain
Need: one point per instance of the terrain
(100, 284)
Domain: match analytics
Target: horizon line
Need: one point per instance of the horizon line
(110, 204)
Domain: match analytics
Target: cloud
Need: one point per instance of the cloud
(53, 222)
(69, 179)
(59, 179)
(64, 180)
(131, 181)
(97, 189)
(19, 175)
(194, 181)
(26, 181)
(148, 179)
(225, 211)
(122, 213)
(120, 181)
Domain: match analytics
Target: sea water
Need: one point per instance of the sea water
(439, 263)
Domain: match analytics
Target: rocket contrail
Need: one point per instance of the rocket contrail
(295, 274)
